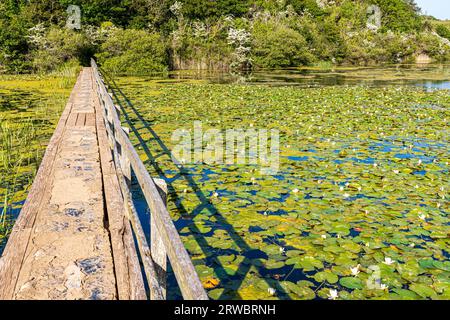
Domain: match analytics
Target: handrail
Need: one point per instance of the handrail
(165, 240)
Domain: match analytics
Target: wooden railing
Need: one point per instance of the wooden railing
(164, 238)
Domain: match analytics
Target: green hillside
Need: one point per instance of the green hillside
(143, 36)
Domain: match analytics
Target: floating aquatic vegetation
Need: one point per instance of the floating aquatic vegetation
(361, 196)
(29, 110)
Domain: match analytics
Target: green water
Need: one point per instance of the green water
(363, 177)
(30, 107)
(363, 185)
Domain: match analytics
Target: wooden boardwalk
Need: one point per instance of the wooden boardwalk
(75, 236)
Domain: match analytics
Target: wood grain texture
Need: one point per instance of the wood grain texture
(130, 284)
(158, 249)
(132, 215)
(187, 278)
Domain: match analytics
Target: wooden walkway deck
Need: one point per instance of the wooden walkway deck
(75, 236)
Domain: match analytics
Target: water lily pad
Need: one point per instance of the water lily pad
(422, 290)
(301, 291)
(351, 283)
(406, 294)
(326, 276)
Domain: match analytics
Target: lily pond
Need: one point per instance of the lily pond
(357, 210)
(30, 107)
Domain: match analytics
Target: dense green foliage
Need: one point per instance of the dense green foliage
(276, 45)
(133, 52)
(221, 34)
(443, 31)
(399, 16)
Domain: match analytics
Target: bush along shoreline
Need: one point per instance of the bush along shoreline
(144, 37)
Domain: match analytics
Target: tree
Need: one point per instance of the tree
(133, 52)
(202, 9)
(13, 41)
(310, 6)
(399, 15)
(278, 46)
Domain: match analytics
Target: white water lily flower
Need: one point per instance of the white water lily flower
(333, 295)
(388, 261)
(346, 195)
(282, 250)
(383, 286)
(367, 244)
(422, 217)
(324, 236)
(375, 165)
(412, 245)
(295, 191)
(215, 194)
(396, 171)
(341, 188)
(271, 291)
(419, 162)
(355, 271)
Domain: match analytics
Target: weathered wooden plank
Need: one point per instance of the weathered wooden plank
(72, 119)
(15, 249)
(81, 120)
(132, 215)
(130, 284)
(118, 110)
(144, 249)
(125, 162)
(158, 249)
(90, 120)
(185, 273)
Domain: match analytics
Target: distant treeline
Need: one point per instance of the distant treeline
(145, 36)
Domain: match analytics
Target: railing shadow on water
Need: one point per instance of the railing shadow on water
(246, 264)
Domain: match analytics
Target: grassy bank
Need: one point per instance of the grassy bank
(30, 107)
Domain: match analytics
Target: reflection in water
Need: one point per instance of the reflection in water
(430, 76)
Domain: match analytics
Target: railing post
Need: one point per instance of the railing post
(158, 250)
(118, 110)
(125, 161)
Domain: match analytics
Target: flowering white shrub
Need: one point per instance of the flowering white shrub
(240, 40)
(37, 36)
(176, 8)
